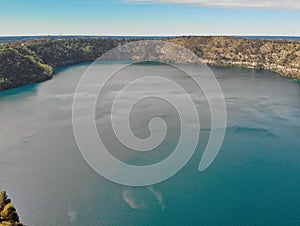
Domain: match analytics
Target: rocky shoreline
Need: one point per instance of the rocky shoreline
(34, 61)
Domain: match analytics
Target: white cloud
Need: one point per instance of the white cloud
(263, 4)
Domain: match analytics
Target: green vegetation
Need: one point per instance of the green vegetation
(33, 61)
(47, 69)
(2, 50)
(297, 77)
(19, 66)
(279, 56)
(87, 49)
(8, 214)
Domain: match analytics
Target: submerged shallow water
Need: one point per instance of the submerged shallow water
(254, 180)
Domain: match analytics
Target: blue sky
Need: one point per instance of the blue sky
(147, 17)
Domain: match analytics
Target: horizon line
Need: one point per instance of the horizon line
(172, 35)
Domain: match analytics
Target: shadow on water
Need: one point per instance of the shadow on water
(65, 68)
(246, 73)
(259, 132)
(23, 91)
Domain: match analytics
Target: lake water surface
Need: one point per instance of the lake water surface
(254, 180)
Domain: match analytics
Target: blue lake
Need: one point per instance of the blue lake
(254, 180)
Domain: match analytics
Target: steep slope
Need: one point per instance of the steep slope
(33, 61)
(279, 56)
(18, 68)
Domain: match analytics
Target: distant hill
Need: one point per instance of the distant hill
(7, 39)
(30, 61)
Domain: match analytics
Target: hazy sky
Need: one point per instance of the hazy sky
(149, 17)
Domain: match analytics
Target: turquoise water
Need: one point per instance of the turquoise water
(254, 180)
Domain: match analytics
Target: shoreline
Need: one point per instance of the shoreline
(32, 61)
